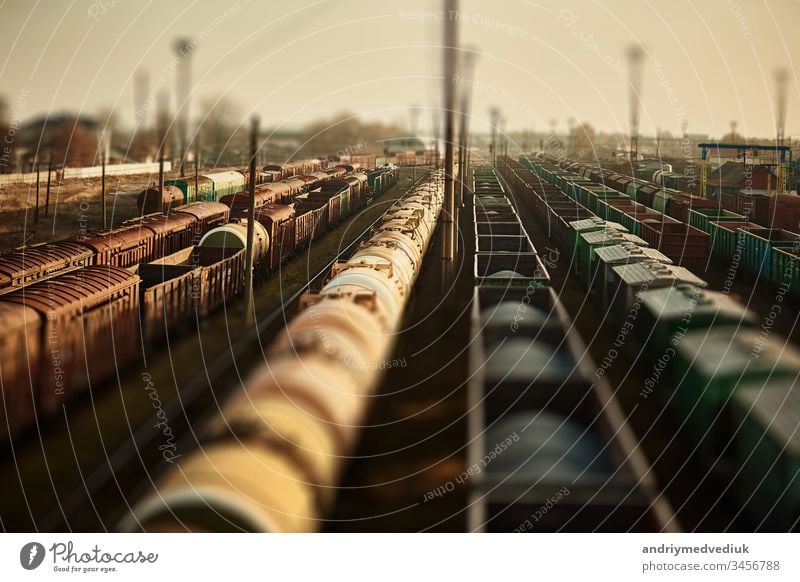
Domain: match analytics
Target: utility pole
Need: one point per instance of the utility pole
(163, 105)
(47, 194)
(36, 212)
(105, 143)
(450, 53)
(781, 79)
(197, 164)
(468, 67)
(183, 78)
(494, 120)
(103, 189)
(436, 121)
(251, 211)
(635, 67)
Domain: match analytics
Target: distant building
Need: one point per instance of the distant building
(733, 177)
(71, 139)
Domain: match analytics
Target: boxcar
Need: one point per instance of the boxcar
(120, 247)
(208, 214)
(89, 323)
(279, 222)
(149, 201)
(240, 201)
(20, 345)
(171, 233)
(25, 266)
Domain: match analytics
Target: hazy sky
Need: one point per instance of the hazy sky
(709, 61)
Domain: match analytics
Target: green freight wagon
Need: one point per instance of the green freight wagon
(726, 241)
(711, 365)
(589, 241)
(203, 192)
(786, 269)
(702, 217)
(767, 453)
(758, 244)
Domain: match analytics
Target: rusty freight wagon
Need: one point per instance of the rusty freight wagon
(280, 223)
(120, 247)
(88, 325)
(20, 344)
(208, 214)
(30, 264)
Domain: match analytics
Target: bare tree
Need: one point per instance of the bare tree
(582, 140)
(222, 134)
(3, 110)
(344, 132)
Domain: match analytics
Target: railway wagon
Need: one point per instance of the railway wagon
(239, 202)
(208, 215)
(784, 212)
(311, 219)
(786, 269)
(701, 218)
(758, 245)
(765, 448)
(192, 190)
(268, 176)
(546, 429)
(711, 365)
(20, 344)
(225, 183)
(119, 247)
(726, 383)
(608, 257)
(85, 322)
(168, 291)
(279, 221)
(234, 236)
(336, 171)
(149, 200)
(589, 242)
(165, 234)
(27, 265)
(180, 288)
(336, 197)
(684, 244)
(668, 313)
(756, 207)
(680, 205)
(507, 270)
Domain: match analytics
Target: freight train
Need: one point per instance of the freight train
(287, 180)
(72, 309)
(676, 193)
(272, 457)
(547, 439)
(694, 230)
(730, 386)
(136, 241)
